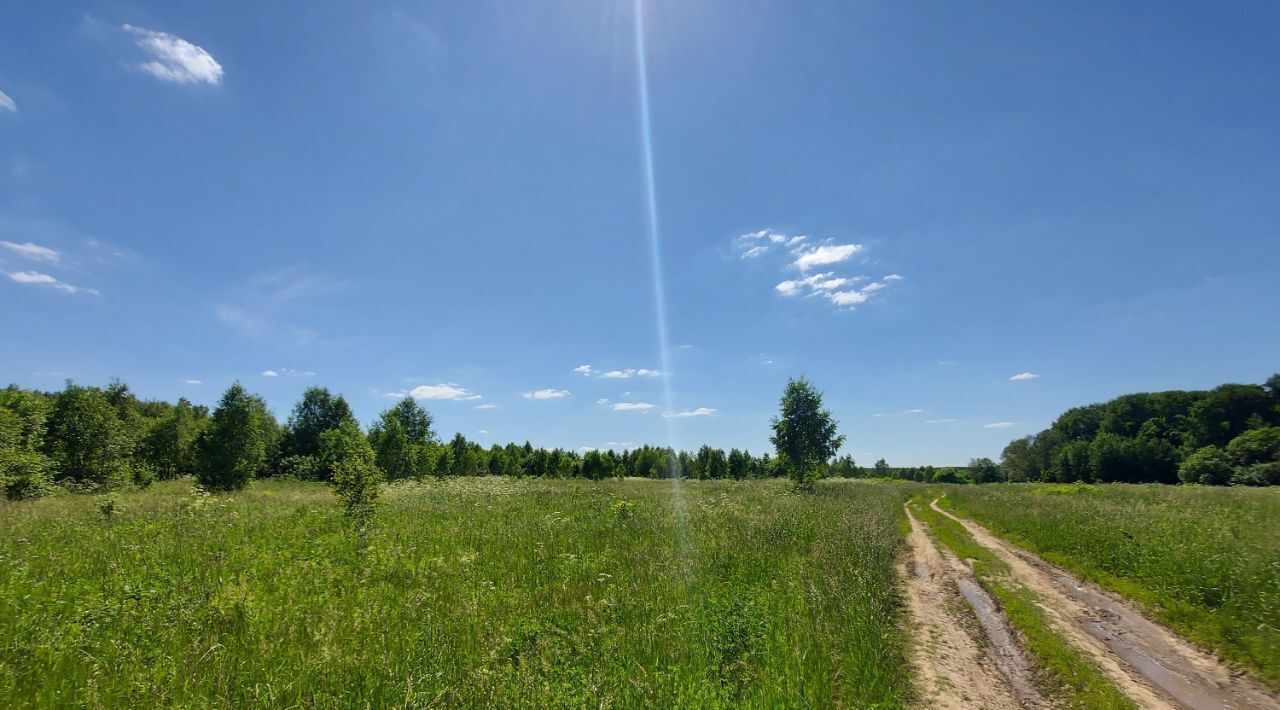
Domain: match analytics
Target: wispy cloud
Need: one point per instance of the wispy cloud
(998, 425)
(699, 412)
(31, 250)
(629, 373)
(825, 255)
(623, 374)
(938, 421)
(193, 381)
(486, 406)
(270, 373)
(36, 278)
(444, 390)
(1024, 376)
(263, 305)
(174, 59)
(546, 394)
(631, 406)
(7, 103)
(842, 291)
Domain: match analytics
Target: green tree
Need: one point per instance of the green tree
(984, 470)
(238, 443)
(881, 467)
(170, 445)
(1019, 462)
(1255, 446)
(318, 411)
(88, 443)
(345, 451)
(1208, 465)
(24, 473)
(804, 433)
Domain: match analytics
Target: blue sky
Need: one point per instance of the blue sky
(448, 199)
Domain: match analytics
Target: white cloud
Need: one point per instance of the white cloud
(825, 254)
(486, 406)
(938, 421)
(699, 412)
(193, 381)
(35, 278)
(602, 401)
(914, 411)
(620, 444)
(175, 59)
(483, 431)
(583, 370)
(632, 406)
(7, 104)
(546, 394)
(1023, 376)
(840, 290)
(998, 425)
(270, 373)
(629, 373)
(32, 251)
(847, 298)
(817, 282)
(757, 244)
(444, 390)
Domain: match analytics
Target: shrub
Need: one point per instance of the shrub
(1258, 474)
(25, 474)
(1255, 446)
(1208, 465)
(346, 452)
(303, 468)
(90, 445)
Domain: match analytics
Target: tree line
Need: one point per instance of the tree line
(1229, 435)
(100, 438)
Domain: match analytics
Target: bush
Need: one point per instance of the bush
(90, 444)
(1258, 474)
(303, 468)
(1208, 465)
(25, 474)
(1255, 446)
(346, 452)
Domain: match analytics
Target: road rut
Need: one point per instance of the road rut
(1148, 662)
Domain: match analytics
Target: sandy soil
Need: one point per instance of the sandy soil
(1146, 661)
(956, 670)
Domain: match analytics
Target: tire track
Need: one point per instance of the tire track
(955, 671)
(1149, 663)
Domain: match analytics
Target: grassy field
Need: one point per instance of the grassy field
(481, 592)
(1204, 560)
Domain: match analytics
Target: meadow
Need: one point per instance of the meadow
(1206, 561)
(464, 592)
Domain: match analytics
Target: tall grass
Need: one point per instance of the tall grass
(1206, 561)
(482, 592)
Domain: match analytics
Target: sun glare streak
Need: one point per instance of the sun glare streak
(659, 295)
(655, 240)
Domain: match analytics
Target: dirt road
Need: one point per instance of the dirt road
(956, 669)
(1146, 661)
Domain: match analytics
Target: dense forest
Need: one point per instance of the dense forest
(99, 438)
(1227, 435)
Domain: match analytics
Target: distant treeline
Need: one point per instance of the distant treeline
(99, 438)
(1227, 435)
